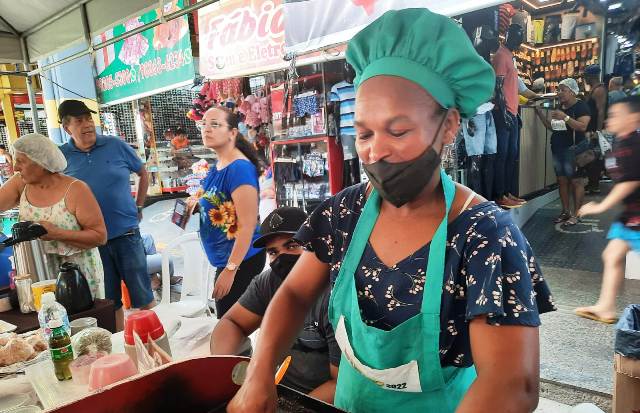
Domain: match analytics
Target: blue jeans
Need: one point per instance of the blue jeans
(505, 163)
(123, 259)
(480, 135)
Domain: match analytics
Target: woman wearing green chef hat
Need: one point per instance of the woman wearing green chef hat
(436, 293)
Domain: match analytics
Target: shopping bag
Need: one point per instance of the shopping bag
(628, 332)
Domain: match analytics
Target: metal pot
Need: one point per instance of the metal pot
(29, 256)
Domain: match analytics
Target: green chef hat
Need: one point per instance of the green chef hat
(428, 49)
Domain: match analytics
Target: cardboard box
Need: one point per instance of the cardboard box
(626, 385)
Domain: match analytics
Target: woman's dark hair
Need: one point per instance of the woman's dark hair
(632, 102)
(247, 149)
(180, 131)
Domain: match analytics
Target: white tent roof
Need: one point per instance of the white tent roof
(53, 25)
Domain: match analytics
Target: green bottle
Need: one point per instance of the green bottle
(61, 351)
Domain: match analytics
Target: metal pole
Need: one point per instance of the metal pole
(85, 26)
(32, 95)
(603, 44)
(123, 36)
(54, 17)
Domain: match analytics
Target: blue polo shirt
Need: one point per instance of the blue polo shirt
(106, 169)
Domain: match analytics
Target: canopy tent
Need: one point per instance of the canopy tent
(37, 28)
(48, 26)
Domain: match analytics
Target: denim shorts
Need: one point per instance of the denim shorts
(564, 163)
(123, 259)
(480, 135)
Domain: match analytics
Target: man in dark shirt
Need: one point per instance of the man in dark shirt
(315, 355)
(624, 234)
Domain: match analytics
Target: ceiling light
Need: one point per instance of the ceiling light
(615, 6)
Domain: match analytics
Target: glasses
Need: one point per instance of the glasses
(213, 125)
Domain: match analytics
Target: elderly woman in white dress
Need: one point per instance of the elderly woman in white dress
(65, 206)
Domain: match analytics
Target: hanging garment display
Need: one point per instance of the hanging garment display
(538, 30)
(345, 94)
(306, 104)
(568, 26)
(313, 164)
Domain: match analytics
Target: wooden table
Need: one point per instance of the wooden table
(103, 311)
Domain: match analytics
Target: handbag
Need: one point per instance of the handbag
(583, 155)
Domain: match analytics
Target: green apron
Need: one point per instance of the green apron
(399, 369)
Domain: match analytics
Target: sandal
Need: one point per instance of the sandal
(590, 315)
(562, 218)
(571, 221)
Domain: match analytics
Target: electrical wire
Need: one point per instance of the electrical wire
(68, 90)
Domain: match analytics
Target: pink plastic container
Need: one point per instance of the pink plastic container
(110, 369)
(81, 367)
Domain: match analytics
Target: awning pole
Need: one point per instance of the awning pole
(32, 96)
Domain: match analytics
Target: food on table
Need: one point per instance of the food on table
(17, 349)
(37, 342)
(287, 405)
(91, 340)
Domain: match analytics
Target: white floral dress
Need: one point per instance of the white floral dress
(59, 252)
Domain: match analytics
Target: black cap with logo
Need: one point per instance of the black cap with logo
(72, 108)
(284, 220)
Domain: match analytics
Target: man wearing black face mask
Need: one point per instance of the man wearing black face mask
(315, 355)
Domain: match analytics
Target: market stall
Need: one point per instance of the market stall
(145, 87)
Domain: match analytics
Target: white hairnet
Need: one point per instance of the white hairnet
(572, 85)
(42, 151)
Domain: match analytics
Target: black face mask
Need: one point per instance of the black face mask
(282, 265)
(401, 182)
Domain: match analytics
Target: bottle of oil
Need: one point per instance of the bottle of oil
(61, 351)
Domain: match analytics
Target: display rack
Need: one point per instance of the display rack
(168, 112)
(307, 171)
(558, 61)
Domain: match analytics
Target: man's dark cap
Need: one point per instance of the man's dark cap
(282, 221)
(72, 108)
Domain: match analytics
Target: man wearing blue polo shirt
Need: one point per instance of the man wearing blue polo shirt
(105, 164)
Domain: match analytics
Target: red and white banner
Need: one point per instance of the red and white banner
(241, 37)
(315, 24)
(244, 37)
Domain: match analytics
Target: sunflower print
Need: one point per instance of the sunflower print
(223, 215)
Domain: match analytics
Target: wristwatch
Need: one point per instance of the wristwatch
(566, 118)
(231, 266)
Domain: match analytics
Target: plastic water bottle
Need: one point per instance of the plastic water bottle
(52, 310)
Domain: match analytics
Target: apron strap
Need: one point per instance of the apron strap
(432, 295)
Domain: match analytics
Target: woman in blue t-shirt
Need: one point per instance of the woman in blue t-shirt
(229, 208)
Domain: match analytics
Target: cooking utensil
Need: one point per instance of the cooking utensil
(282, 369)
(28, 251)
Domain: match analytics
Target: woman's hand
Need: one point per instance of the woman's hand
(558, 115)
(52, 231)
(223, 284)
(591, 208)
(257, 395)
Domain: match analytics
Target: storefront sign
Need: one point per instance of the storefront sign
(147, 63)
(240, 37)
(315, 24)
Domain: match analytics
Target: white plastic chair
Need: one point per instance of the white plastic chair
(197, 281)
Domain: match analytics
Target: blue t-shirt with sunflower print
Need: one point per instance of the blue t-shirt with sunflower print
(218, 219)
